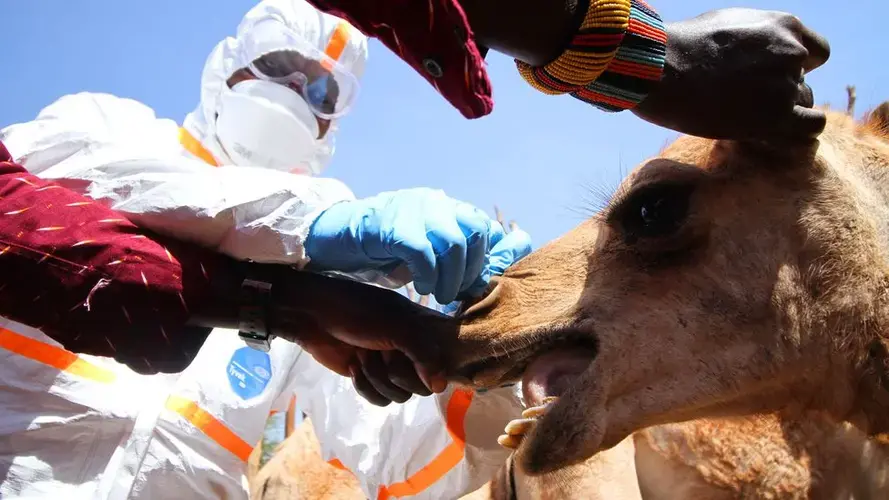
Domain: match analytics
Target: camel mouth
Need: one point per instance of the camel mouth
(552, 373)
(513, 365)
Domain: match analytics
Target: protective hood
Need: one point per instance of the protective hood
(300, 17)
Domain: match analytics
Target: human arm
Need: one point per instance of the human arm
(98, 284)
(117, 152)
(712, 52)
(94, 282)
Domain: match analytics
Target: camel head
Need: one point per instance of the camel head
(722, 278)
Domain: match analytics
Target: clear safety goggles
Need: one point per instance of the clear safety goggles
(279, 55)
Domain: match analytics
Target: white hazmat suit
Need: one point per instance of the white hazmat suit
(78, 426)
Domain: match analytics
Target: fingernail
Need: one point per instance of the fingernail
(436, 383)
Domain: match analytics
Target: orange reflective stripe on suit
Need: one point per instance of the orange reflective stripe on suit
(337, 43)
(195, 147)
(56, 357)
(446, 460)
(210, 426)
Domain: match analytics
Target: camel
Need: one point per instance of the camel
(722, 279)
(296, 471)
(819, 298)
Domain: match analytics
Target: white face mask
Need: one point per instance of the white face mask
(264, 124)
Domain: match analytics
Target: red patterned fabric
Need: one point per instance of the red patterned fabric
(424, 34)
(96, 283)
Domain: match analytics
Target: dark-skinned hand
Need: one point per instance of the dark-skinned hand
(390, 346)
(738, 74)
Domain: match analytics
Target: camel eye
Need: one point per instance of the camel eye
(654, 212)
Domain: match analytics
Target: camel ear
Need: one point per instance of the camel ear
(878, 119)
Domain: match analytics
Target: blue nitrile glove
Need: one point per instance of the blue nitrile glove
(442, 241)
(510, 249)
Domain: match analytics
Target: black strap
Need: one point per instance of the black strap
(255, 314)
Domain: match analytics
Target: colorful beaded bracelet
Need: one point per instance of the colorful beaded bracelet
(612, 62)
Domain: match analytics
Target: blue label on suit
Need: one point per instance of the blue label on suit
(249, 372)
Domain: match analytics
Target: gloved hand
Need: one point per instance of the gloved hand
(442, 241)
(507, 251)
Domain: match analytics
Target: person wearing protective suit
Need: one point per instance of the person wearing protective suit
(239, 177)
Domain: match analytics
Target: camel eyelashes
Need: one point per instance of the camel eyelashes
(654, 211)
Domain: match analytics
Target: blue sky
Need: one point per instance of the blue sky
(537, 157)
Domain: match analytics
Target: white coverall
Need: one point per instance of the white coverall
(78, 426)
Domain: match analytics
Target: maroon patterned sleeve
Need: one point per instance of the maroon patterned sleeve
(433, 37)
(96, 283)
